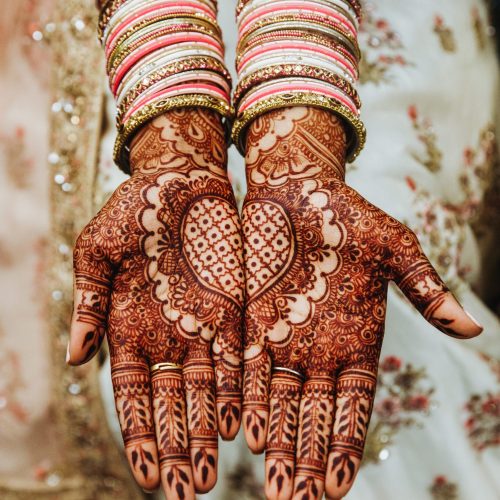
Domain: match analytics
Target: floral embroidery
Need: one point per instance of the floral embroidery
(442, 235)
(445, 34)
(483, 423)
(11, 408)
(426, 135)
(493, 363)
(404, 395)
(18, 166)
(382, 48)
(442, 489)
(441, 225)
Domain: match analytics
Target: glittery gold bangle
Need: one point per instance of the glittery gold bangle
(288, 70)
(298, 35)
(128, 44)
(150, 111)
(191, 64)
(308, 26)
(200, 24)
(356, 129)
(309, 18)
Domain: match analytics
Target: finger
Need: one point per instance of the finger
(93, 274)
(131, 385)
(169, 409)
(355, 392)
(419, 281)
(282, 433)
(315, 425)
(227, 356)
(199, 383)
(257, 374)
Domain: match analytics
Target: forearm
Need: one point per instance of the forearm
(181, 140)
(161, 57)
(297, 143)
(305, 56)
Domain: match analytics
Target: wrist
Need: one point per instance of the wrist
(180, 140)
(296, 143)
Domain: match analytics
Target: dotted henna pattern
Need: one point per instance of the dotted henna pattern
(318, 260)
(159, 271)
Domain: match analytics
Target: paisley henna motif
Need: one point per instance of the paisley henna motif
(160, 271)
(318, 261)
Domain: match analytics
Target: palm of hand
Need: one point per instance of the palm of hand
(318, 259)
(159, 270)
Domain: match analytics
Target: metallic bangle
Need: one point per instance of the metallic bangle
(355, 128)
(349, 43)
(297, 35)
(289, 70)
(151, 111)
(149, 24)
(150, 79)
(151, 32)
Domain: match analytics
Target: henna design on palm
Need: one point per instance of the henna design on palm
(159, 271)
(318, 260)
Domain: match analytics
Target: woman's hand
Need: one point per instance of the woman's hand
(318, 261)
(159, 272)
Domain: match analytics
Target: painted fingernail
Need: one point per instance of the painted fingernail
(67, 354)
(474, 320)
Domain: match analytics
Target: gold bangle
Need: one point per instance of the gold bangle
(153, 110)
(286, 70)
(356, 129)
(190, 64)
(160, 367)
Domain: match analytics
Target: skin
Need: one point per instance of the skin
(318, 261)
(159, 272)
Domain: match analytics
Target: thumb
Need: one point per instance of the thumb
(421, 284)
(93, 273)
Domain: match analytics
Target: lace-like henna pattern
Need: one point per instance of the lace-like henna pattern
(318, 261)
(160, 271)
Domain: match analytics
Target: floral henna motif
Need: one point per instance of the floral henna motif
(318, 261)
(160, 271)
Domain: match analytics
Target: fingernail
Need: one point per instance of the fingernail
(67, 354)
(474, 320)
(147, 491)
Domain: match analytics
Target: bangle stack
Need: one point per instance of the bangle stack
(161, 55)
(298, 53)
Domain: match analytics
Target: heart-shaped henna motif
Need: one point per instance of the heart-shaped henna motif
(271, 252)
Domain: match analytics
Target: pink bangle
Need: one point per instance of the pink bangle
(313, 87)
(179, 90)
(157, 11)
(297, 8)
(304, 47)
(140, 54)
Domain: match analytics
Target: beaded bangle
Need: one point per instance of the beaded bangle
(300, 70)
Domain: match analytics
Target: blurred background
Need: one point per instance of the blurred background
(429, 85)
